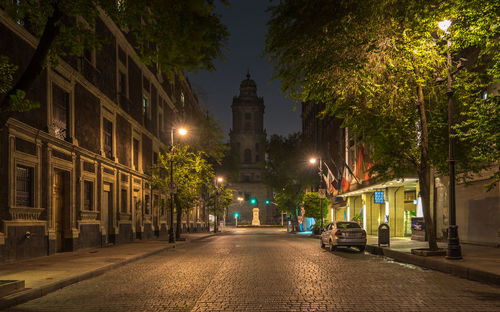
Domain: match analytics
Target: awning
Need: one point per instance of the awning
(409, 182)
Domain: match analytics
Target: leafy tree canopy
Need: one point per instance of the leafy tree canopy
(287, 171)
(375, 65)
(191, 173)
(312, 206)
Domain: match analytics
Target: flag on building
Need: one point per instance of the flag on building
(329, 180)
(347, 177)
(359, 162)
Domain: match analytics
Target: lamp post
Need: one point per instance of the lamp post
(240, 199)
(217, 181)
(454, 251)
(313, 161)
(171, 186)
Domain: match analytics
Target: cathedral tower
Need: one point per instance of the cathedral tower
(248, 139)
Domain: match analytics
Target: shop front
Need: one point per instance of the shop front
(393, 202)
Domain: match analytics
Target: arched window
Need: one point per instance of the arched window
(247, 156)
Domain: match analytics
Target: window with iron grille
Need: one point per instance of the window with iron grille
(88, 195)
(124, 200)
(108, 137)
(146, 109)
(24, 186)
(60, 112)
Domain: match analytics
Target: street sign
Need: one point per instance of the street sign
(172, 187)
(322, 193)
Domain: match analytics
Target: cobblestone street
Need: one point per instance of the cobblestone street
(268, 270)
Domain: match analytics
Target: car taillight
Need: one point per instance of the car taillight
(363, 234)
(338, 233)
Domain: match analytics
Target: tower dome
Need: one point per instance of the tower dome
(248, 87)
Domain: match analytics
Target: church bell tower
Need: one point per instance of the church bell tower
(248, 142)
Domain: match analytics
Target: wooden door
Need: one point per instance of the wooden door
(105, 209)
(58, 202)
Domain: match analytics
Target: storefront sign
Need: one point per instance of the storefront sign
(379, 197)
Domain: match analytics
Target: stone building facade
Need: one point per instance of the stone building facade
(75, 171)
(248, 141)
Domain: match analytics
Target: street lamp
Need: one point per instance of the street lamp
(218, 181)
(313, 160)
(454, 251)
(171, 186)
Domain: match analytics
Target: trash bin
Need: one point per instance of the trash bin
(384, 235)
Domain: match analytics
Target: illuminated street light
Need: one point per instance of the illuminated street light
(172, 187)
(454, 250)
(218, 182)
(312, 160)
(444, 25)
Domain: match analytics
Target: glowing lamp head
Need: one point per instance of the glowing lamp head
(182, 131)
(444, 25)
(220, 179)
(312, 160)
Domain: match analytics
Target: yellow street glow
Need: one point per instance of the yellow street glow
(182, 131)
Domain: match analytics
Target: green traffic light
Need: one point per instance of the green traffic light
(253, 201)
(267, 202)
(236, 215)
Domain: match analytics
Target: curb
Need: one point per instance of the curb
(430, 263)
(31, 294)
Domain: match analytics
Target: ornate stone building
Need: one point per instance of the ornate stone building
(75, 171)
(248, 141)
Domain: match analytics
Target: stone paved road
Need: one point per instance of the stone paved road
(267, 270)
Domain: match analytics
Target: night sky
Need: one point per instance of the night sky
(246, 21)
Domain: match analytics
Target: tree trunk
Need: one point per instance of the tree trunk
(34, 68)
(179, 218)
(424, 171)
(294, 222)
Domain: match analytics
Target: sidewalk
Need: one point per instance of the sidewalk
(479, 263)
(47, 274)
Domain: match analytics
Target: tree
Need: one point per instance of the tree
(224, 200)
(374, 64)
(476, 28)
(176, 35)
(191, 174)
(312, 206)
(18, 101)
(285, 172)
(209, 138)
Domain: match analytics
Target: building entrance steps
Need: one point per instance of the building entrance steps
(479, 263)
(47, 274)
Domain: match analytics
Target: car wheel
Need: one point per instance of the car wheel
(361, 248)
(322, 243)
(332, 246)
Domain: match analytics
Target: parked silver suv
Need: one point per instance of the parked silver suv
(343, 233)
